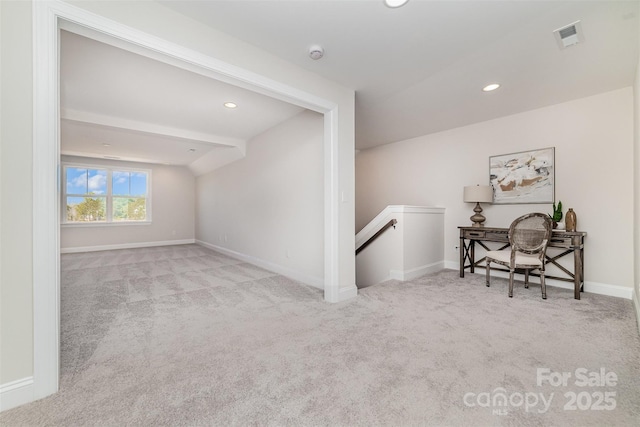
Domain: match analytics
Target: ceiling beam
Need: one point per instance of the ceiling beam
(149, 128)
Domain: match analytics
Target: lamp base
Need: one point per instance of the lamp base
(478, 219)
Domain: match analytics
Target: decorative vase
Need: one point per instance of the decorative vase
(571, 220)
(560, 225)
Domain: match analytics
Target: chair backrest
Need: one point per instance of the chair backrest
(530, 233)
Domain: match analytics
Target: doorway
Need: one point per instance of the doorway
(49, 18)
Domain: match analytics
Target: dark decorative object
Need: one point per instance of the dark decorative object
(570, 220)
(557, 215)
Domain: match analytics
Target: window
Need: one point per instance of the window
(129, 191)
(105, 195)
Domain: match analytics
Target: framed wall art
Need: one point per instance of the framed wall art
(524, 177)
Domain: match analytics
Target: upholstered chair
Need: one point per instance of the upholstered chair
(528, 238)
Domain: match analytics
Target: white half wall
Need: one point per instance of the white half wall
(593, 138)
(172, 212)
(412, 248)
(268, 206)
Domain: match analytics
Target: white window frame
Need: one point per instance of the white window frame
(108, 196)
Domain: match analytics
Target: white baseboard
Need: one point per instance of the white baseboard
(16, 393)
(636, 306)
(126, 246)
(404, 275)
(347, 293)
(591, 287)
(316, 282)
(606, 289)
(416, 272)
(452, 265)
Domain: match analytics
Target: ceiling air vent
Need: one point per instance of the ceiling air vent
(569, 35)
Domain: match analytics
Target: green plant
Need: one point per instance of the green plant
(557, 212)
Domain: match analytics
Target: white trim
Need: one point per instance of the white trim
(347, 293)
(16, 393)
(415, 209)
(126, 246)
(72, 225)
(316, 282)
(636, 306)
(46, 199)
(48, 17)
(332, 292)
(590, 287)
(604, 289)
(452, 265)
(413, 273)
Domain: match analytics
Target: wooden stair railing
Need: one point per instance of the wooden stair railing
(391, 223)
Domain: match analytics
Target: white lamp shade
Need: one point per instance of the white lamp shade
(478, 193)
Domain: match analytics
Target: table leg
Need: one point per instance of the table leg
(461, 257)
(578, 272)
(472, 261)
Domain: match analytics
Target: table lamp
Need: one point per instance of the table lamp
(478, 194)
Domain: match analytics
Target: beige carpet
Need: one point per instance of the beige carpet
(185, 336)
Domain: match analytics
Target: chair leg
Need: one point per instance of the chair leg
(543, 285)
(488, 275)
(510, 283)
(526, 278)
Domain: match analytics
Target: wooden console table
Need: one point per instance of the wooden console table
(569, 242)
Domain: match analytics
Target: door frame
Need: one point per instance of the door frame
(48, 18)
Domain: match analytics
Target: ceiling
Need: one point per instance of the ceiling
(117, 104)
(416, 70)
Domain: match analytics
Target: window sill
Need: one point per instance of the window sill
(103, 224)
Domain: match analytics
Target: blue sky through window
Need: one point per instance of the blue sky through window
(86, 181)
(129, 183)
(95, 194)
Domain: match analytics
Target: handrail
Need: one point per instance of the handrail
(391, 223)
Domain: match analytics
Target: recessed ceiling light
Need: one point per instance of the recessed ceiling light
(106, 145)
(230, 105)
(193, 150)
(492, 86)
(395, 3)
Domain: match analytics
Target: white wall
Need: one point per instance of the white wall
(269, 206)
(593, 138)
(16, 292)
(172, 209)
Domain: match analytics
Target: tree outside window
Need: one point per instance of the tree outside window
(129, 191)
(105, 195)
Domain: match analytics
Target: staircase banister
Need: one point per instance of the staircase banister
(385, 215)
(391, 223)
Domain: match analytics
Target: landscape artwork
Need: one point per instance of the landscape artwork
(525, 177)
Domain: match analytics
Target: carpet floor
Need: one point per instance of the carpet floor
(183, 335)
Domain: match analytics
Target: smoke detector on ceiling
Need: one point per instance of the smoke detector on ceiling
(569, 35)
(316, 52)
